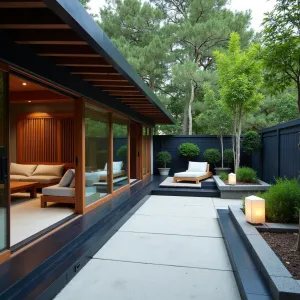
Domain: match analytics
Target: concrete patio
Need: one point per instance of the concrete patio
(171, 248)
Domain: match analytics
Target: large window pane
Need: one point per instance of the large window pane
(96, 154)
(120, 153)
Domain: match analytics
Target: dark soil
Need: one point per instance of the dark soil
(285, 246)
(243, 183)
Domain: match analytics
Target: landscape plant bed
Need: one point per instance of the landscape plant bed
(285, 247)
(239, 191)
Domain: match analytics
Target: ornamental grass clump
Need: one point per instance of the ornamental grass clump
(282, 201)
(189, 150)
(224, 176)
(246, 175)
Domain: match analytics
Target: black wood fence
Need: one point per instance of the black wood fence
(279, 156)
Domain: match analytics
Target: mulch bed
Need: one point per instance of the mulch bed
(285, 247)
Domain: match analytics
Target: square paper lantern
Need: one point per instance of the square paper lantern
(231, 178)
(255, 210)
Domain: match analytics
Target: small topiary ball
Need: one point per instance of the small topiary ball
(189, 150)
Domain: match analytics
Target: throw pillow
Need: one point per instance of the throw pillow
(67, 178)
(49, 170)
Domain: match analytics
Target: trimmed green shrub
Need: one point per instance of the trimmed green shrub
(228, 156)
(282, 201)
(163, 157)
(122, 152)
(224, 176)
(212, 156)
(251, 142)
(189, 150)
(247, 175)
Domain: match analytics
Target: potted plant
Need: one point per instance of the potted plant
(228, 160)
(164, 158)
(212, 156)
(189, 150)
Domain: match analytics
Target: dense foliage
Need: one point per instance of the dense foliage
(228, 157)
(224, 176)
(246, 175)
(282, 201)
(122, 152)
(164, 158)
(251, 142)
(240, 79)
(189, 150)
(212, 156)
(281, 39)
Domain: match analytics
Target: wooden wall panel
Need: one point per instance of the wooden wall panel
(45, 139)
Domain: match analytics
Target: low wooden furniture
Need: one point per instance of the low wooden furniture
(56, 199)
(18, 186)
(193, 176)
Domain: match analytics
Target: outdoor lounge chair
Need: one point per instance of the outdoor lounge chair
(197, 171)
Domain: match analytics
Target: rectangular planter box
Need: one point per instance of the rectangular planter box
(279, 279)
(239, 191)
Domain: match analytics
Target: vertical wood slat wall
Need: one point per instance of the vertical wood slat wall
(45, 139)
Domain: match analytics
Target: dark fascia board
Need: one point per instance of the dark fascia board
(23, 57)
(74, 14)
(281, 126)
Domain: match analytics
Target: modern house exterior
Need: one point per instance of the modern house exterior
(71, 104)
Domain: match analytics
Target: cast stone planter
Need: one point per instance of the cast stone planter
(239, 191)
(164, 171)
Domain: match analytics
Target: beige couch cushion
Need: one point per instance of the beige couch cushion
(56, 190)
(18, 178)
(49, 170)
(20, 169)
(67, 178)
(42, 179)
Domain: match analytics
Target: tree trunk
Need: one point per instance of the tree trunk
(222, 150)
(238, 141)
(190, 108)
(185, 118)
(234, 139)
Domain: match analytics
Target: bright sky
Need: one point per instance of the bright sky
(258, 7)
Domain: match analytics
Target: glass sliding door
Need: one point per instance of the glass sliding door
(120, 152)
(146, 150)
(97, 154)
(4, 178)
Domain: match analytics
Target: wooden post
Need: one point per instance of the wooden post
(110, 156)
(128, 150)
(79, 126)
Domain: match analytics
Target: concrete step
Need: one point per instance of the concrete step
(187, 192)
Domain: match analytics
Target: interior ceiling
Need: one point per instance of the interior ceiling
(16, 84)
(31, 22)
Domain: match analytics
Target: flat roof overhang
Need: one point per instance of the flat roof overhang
(57, 40)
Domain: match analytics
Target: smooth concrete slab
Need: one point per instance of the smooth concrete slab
(173, 225)
(185, 251)
(226, 202)
(178, 206)
(180, 200)
(130, 281)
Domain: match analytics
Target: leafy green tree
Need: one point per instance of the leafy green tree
(281, 39)
(85, 3)
(136, 28)
(197, 28)
(214, 119)
(240, 78)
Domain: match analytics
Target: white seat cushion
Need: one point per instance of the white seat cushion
(197, 166)
(91, 178)
(67, 178)
(19, 169)
(190, 174)
(49, 170)
(18, 178)
(42, 179)
(117, 165)
(56, 190)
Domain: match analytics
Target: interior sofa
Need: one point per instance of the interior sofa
(45, 175)
(197, 171)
